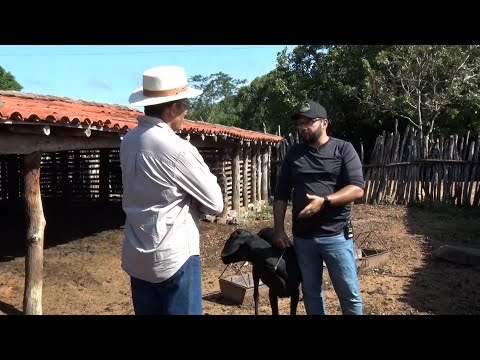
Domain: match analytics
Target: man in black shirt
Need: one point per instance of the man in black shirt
(326, 176)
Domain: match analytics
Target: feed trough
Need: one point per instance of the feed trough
(240, 286)
(372, 257)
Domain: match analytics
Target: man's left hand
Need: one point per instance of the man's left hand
(316, 203)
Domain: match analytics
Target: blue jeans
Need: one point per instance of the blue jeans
(339, 256)
(181, 294)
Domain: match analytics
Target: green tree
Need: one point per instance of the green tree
(341, 76)
(328, 74)
(215, 103)
(424, 83)
(267, 103)
(262, 106)
(364, 88)
(8, 82)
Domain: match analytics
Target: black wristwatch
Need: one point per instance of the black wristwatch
(326, 201)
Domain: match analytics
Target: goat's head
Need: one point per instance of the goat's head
(241, 246)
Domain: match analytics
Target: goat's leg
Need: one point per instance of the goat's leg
(294, 298)
(272, 295)
(256, 282)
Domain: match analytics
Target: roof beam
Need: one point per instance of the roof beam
(29, 143)
(35, 130)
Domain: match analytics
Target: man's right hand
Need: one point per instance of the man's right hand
(281, 240)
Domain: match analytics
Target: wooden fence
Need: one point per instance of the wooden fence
(412, 169)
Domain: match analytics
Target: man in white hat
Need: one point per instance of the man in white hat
(166, 186)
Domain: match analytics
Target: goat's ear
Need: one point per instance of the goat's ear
(267, 234)
(231, 245)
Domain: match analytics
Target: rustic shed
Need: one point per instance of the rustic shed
(65, 149)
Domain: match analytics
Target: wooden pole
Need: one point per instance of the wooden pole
(259, 174)
(222, 218)
(246, 164)
(253, 192)
(264, 174)
(32, 299)
(236, 180)
(270, 188)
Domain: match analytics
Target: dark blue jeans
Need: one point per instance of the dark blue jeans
(181, 294)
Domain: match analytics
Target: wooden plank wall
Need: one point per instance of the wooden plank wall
(80, 175)
(239, 173)
(95, 175)
(10, 179)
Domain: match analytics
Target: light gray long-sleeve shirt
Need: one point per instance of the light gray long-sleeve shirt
(161, 174)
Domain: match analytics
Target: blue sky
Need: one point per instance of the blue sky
(109, 73)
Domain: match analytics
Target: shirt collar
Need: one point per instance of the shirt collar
(150, 121)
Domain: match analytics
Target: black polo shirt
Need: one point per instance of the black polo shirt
(319, 171)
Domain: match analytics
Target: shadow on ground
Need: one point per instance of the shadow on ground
(218, 298)
(8, 309)
(441, 287)
(65, 223)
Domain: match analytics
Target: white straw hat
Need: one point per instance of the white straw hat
(162, 84)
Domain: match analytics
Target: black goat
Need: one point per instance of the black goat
(278, 269)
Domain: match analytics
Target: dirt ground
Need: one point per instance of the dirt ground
(82, 273)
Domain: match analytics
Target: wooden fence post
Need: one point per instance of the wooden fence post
(32, 300)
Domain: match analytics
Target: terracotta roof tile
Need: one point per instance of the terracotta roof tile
(26, 107)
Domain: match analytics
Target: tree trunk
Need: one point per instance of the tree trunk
(32, 299)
